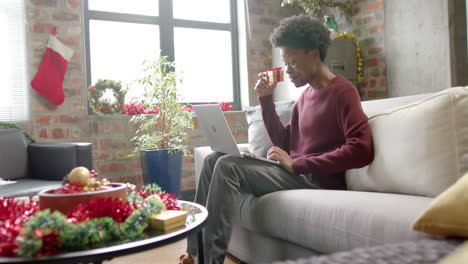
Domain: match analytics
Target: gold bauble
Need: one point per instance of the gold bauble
(79, 176)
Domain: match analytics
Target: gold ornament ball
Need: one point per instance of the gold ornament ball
(79, 176)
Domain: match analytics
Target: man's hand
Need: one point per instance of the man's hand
(262, 88)
(276, 153)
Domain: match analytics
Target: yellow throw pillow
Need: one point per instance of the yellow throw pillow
(459, 256)
(447, 214)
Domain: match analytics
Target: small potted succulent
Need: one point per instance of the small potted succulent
(162, 133)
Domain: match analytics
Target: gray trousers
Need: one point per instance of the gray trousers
(222, 180)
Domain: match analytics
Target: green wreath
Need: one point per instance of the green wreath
(105, 107)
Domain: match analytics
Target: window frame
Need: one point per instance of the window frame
(167, 23)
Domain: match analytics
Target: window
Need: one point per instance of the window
(14, 101)
(201, 36)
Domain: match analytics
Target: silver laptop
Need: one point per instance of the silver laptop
(211, 119)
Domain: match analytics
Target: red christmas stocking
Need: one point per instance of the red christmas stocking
(49, 79)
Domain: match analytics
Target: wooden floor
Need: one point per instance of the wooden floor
(164, 255)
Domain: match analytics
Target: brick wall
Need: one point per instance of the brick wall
(111, 135)
(367, 23)
(264, 17)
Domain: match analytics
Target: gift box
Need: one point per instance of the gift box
(168, 220)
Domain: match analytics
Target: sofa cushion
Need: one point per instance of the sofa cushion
(420, 148)
(27, 187)
(330, 221)
(258, 137)
(13, 154)
(447, 214)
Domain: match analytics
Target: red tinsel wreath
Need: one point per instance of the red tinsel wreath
(49, 244)
(13, 214)
(116, 208)
(170, 200)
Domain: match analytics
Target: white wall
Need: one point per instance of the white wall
(417, 46)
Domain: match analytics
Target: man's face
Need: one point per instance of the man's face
(300, 65)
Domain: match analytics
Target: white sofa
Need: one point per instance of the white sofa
(421, 148)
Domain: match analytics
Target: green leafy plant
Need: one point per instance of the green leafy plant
(316, 7)
(168, 126)
(13, 125)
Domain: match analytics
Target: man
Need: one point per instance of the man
(328, 134)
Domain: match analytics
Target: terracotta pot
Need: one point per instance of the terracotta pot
(64, 202)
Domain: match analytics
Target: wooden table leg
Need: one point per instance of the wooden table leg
(201, 252)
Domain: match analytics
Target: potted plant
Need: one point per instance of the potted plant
(317, 7)
(161, 139)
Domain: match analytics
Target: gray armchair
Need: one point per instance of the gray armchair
(26, 169)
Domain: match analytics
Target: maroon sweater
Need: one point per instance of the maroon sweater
(328, 132)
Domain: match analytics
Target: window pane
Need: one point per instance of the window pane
(205, 58)
(140, 7)
(14, 98)
(119, 49)
(203, 10)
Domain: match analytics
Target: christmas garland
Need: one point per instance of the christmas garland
(135, 108)
(347, 35)
(12, 125)
(27, 232)
(102, 106)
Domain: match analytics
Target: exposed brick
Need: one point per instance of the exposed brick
(103, 156)
(47, 3)
(383, 82)
(373, 50)
(356, 10)
(373, 5)
(70, 92)
(371, 62)
(76, 107)
(135, 164)
(60, 132)
(374, 72)
(357, 32)
(76, 56)
(110, 143)
(238, 133)
(365, 20)
(74, 3)
(122, 155)
(257, 11)
(372, 84)
(43, 28)
(376, 28)
(65, 16)
(68, 119)
(70, 42)
(112, 167)
(376, 94)
(43, 133)
(34, 12)
(43, 120)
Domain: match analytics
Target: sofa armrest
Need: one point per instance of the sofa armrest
(53, 161)
(201, 152)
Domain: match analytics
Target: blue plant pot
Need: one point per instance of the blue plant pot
(163, 168)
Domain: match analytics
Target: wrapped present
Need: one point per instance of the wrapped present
(168, 220)
(274, 75)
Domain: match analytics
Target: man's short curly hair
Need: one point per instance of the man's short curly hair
(302, 32)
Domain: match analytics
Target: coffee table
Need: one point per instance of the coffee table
(196, 219)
